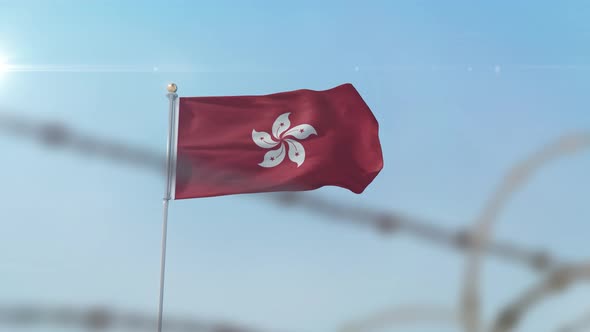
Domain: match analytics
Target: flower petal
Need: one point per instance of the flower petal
(301, 132)
(296, 152)
(274, 157)
(281, 124)
(263, 139)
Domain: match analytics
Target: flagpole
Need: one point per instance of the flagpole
(172, 96)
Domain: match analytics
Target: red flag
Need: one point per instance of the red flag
(288, 141)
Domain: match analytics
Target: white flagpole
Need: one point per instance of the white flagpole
(172, 96)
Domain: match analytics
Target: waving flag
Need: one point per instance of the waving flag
(288, 141)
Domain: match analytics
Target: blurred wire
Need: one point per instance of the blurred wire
(101, 318)
(56, 134)
(557, 281)
(483, 226)
(391, 223)
(474, 242)
(581, 323)
(403, 315)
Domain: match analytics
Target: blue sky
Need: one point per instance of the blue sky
(461, 90)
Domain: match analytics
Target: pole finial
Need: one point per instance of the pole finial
(172, 88)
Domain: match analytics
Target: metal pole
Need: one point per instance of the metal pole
(172, 96)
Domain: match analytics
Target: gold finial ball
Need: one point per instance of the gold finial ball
(172, 88)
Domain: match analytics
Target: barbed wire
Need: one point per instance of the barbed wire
(561, 274)
(389, 223)
(57, 134)
(103, 318)
(483, 226)
(581, 323)
(556, 282)
(474, 241)
(403, 315)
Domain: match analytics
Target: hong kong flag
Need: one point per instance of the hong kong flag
(288, 141)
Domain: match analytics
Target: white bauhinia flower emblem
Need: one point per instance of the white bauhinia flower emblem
(280, 131)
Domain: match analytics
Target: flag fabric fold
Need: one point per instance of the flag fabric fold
(288, 141)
